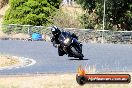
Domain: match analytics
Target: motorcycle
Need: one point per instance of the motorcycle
(70, 46)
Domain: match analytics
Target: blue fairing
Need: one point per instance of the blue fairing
(74, 40)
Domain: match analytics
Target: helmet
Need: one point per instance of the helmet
(55, 30)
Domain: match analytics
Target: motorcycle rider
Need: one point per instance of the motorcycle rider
(56, 33)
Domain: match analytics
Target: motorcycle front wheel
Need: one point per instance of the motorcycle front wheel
(77, 52)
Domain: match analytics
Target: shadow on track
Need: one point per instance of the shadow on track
(77, 59)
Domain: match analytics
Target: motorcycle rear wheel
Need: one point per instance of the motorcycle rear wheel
(80, 58)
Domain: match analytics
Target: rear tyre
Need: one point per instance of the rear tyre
(80, 58)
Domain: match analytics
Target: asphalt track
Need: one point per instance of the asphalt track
(104, 57)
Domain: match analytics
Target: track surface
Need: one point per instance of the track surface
(104, 57)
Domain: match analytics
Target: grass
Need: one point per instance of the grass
(51, 81)
(8, 61)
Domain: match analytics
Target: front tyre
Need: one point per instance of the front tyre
(77, 52)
